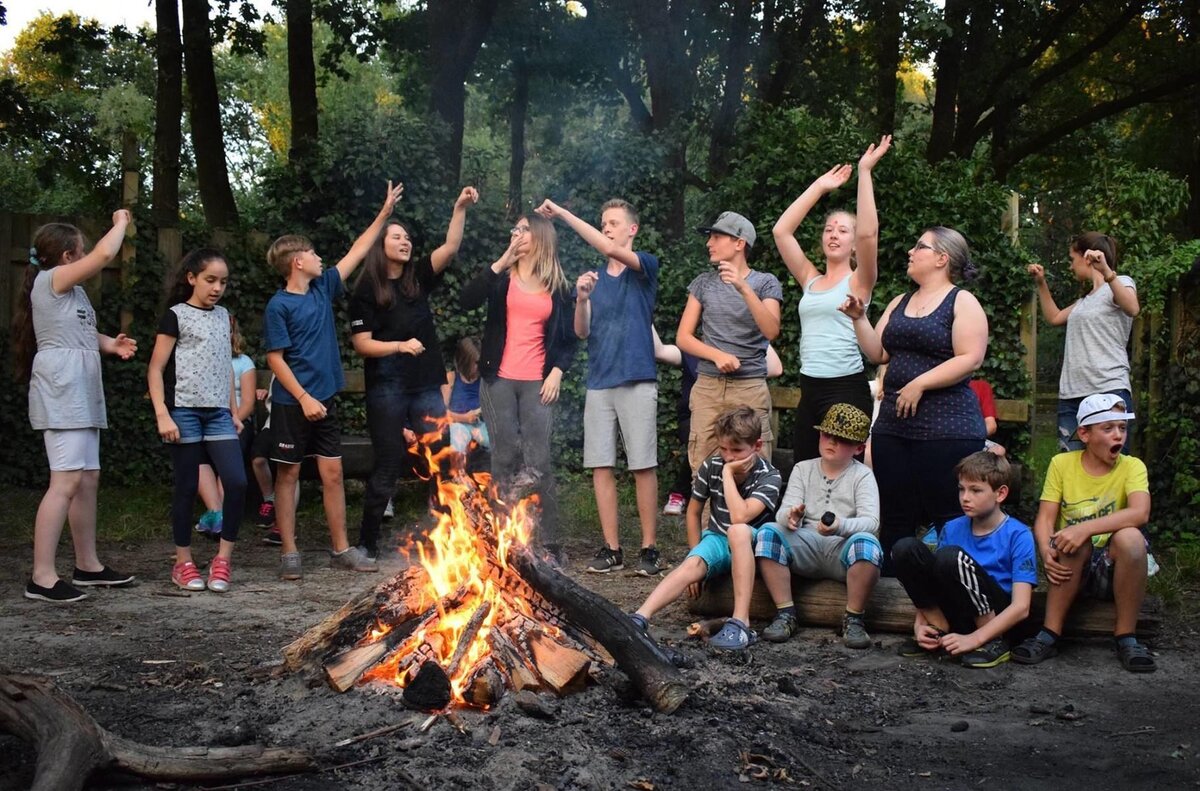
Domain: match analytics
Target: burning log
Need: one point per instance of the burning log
(562, 668)
(345, 669)
(645, 664)
(486, 685)
(468, 636)
(71, 745)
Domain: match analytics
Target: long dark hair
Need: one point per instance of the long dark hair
(375, 270)
(51, 243)
(178, 289)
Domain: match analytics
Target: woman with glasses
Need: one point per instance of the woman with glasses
(932, 340)
(392, 327)
(831, 367)
(528, 343)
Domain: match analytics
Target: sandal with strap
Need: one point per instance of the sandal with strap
(1033, 651)
(734, 636)
(1136, 658)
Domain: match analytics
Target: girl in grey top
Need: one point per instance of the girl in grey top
(57, 349)
(1095, 359)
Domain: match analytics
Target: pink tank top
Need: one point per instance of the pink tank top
(525, 341)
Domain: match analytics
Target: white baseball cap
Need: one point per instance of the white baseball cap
(1101, 408)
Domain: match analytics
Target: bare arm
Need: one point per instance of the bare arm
(121, 346)
(362, 244)
(246, 408)
(312, 408)
(367, 346)
(774, 364)
(583, 303)
(443, 255)
(665, 352)
(694, 510)
(742, 510)
(1055, 316)
(866, 241)
(785, 227)
(65, 277)
(592, 235)
(1010, 616)
(869, 338)
(163, 346)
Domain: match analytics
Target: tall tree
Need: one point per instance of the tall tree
(208, 139)
(457, 29)
(302, 83)
(168, 112)
(736, 62)
(886, 34)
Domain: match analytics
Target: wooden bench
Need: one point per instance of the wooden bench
(823, 602)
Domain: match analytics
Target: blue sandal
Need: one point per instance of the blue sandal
(1136, 658)
(734, 636)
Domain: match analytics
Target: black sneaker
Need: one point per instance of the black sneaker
(273, 537)
(781, 629)
(990, 654)
(266, 514)
(911, 648)
(607, 560)
(61, 592)
(105, 577)
(649, 563)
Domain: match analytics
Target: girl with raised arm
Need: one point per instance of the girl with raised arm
(831, 367)
(57, 349)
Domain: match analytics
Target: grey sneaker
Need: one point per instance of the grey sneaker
(389, 512)
(988, 655)
(854, 632)
(607, 560)
(649, 563)
(353, 559)
(781, 629)
(289, 566)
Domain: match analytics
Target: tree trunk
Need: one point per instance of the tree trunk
(886, 42)
(516, 123)
(302, 83)
(947, 74)
(457, 29)
(168, 113)
(737, 59)
(208, 140)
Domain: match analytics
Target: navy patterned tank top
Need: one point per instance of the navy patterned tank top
(914, 346)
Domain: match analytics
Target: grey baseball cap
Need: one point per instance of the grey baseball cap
(732, 224)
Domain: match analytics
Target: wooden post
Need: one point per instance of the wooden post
(130, 184)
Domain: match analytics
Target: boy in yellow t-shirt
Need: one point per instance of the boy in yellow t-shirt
(1088, 532)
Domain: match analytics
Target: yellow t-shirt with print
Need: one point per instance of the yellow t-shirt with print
(1082, 497)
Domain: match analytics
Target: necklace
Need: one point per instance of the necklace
(928, 303)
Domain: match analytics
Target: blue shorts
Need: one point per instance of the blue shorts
(713, 549)
(203, 424)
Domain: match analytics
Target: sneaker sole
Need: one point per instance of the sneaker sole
(183, 586)
(607, 570)
(1006, 656)
(40, 597)
(648, 573)
(103, 583)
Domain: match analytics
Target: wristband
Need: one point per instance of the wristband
(1111, 278)
(301, 398)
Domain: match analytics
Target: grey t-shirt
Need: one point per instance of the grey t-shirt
(726, 322)
(853, 497)
(65, 388)
(1095, 359)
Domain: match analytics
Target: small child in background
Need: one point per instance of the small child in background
(210, 490)
(461, 393)
(987, 405)
(978, 585)
(191, 387)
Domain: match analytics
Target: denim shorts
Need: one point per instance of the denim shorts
(203, 424)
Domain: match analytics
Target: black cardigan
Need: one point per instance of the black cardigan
(560, 327)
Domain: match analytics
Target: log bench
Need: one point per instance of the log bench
(823, 602)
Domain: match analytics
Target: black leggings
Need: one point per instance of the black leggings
(950, 580)
(916, 485)
(226, 458)
(816, 396)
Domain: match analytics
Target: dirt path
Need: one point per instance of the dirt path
(162, 668)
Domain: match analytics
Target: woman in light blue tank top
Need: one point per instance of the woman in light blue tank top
(831, 366)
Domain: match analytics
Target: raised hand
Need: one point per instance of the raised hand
(393, 195)
(833, 178)
(549, 209)
(874, 153)
(1038, 272)
(122, 217)
(853, 307)
(728, 273)
(585, 285)
(1097, 261)
(467, 197)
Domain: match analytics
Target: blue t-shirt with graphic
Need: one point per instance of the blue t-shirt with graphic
(302, 327)
(1007, 553)
(620, 346)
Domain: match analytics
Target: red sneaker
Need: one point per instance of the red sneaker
(218, 575)
(187, 576)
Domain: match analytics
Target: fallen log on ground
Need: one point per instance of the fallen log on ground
(635, 654)
(71, 745)
(823, 603)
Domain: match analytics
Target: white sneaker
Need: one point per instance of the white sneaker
(389, 512)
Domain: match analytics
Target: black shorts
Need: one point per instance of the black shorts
(295, 437)
(264, 444)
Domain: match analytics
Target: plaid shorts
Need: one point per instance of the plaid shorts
(771, 542)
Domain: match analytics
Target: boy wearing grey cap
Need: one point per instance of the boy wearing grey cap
(737, 312)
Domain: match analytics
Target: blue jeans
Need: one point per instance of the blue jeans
(390, 410)
(1068, 417)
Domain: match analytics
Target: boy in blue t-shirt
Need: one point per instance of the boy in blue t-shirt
(302, 352)
(742, 489)
(979, 584)
(614, 307)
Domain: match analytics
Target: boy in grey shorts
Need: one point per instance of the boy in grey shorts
(830, 528)
(614, 308)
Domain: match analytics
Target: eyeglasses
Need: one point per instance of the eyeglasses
(923, 246)
(520, 229)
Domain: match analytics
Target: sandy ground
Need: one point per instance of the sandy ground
(164, 668)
